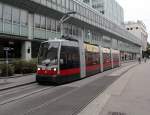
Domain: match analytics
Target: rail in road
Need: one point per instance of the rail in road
(67, 99)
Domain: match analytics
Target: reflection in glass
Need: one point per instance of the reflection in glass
(48, 54)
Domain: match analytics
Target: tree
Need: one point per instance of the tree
(147, 52)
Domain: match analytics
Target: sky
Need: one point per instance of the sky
(137, 10)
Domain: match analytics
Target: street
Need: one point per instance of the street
(65, 99)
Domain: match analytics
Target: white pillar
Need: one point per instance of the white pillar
(101, 58)
(82, 56)
(112, 61)
(119, 58)
(26, 50)
(30, 26)
(26, 45)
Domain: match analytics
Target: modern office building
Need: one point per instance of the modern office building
(139, 30)
(109, 8)
(25, 23)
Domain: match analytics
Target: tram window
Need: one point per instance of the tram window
(106, 57)
(92, 58)
(48, 53)
(69, 57)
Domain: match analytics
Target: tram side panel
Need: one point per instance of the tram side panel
(92, 59)
(107, 63)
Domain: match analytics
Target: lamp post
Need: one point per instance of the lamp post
(6, 49)
(65, 17)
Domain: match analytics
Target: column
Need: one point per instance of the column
(101, 58)
(112, 61)
(26, 45)
(82, 55)
(26, 50)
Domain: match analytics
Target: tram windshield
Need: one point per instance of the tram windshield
(48, 54)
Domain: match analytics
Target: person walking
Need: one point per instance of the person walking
(139, 60)
(145, 59)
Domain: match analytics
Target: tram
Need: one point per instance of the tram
(63, 60)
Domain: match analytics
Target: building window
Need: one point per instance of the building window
(74, 6)
(137, 27)
(43, 22)
(43, 2)
(131, 28)
(59, 2)
(71, 5)
(67, 4)
(54, 1)
(48, 23)
(24, 17)
(37, 20)
(58, 26)
(1, 12)
(86, 1)
(16, 15)
(53, 25)
(127, 28)
(7, 13)
(64, 3)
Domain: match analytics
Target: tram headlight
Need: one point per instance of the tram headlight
(38, 69)
(54, 69)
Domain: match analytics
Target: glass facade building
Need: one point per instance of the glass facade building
(24, 24)
(109, 8)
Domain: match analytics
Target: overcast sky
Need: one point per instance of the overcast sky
(137, 10)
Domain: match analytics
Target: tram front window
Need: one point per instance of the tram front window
(48, 54)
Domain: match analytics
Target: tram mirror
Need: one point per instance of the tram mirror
(61, 61)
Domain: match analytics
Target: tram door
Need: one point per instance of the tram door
(107, 64)
(70, 60)
(92, 59)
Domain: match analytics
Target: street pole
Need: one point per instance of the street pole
(6, 63)
(6, 49)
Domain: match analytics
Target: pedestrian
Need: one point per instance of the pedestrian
(145, 59)
(139, 60)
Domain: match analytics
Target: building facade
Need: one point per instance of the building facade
(139, 30)
(109, 8)
(24, 24)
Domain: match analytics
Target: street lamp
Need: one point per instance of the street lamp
(7, 49)
(65, 17)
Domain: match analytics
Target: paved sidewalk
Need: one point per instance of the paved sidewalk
(129, 95)
(7, 83)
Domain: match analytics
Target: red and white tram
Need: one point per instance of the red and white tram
(63, 60)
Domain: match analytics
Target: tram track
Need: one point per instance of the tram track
(21, 92)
